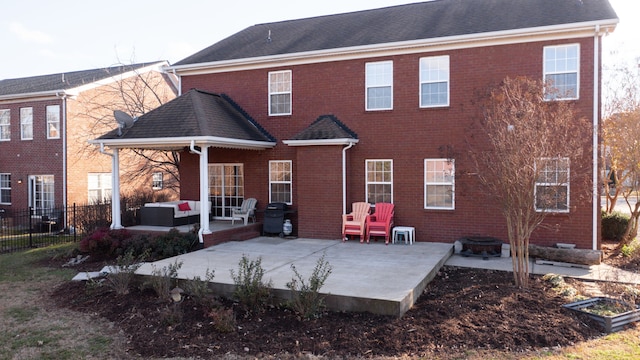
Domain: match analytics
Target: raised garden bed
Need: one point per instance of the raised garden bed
(612, 314)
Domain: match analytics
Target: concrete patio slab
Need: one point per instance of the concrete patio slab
(378, 278)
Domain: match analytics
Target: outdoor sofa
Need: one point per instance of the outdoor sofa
(171, 213)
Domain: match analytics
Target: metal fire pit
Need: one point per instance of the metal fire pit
(481, 246)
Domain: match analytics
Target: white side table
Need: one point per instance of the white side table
(408, 232)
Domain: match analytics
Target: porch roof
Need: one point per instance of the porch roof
(325, 130)
(196, 118)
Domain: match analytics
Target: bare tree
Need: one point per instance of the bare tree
(621, 150)
(135, 95)
(524, 149)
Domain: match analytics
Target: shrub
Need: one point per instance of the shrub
(173, 243)
(103, 242)
(197, 288)
(127, 265)
(306, 299)
(222, 319)
(250, 290)
(614, 225)
(164, 279)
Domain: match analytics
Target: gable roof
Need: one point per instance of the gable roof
(402, 23)
(325, 130)
(65, 81)
(199, 116)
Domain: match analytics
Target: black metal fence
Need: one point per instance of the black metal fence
(25, 228)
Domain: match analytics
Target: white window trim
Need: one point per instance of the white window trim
(23, 123)
(367, 86)
(5, 188)
(160, 180)
(7, 125)
(49, 122)
(545, 72)
(566, 184)
(103, 186)
(290, 182)
(448, 81)
(452, 183)
(366, 178)
(290, 92)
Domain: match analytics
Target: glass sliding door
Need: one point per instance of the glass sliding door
(41, 194)
(226, 188)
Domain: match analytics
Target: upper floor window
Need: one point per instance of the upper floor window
(379, 85)
(562, 71)
(53, 122)
(439, 184)
(26, 123)
(379, 181)
(5, 124)
(434, 81)
(280, 92)
(99, 186)
(5, 188)
(552, 185)
(280, 181)
(156, 181)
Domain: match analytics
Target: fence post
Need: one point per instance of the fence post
(75, 227)
(30, 227)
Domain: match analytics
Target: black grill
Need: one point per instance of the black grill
(274, 218)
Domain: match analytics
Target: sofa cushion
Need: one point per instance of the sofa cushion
(184, 206)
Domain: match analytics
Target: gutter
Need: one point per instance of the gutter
(63, 133)
(595, 136)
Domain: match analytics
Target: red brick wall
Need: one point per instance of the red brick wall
(406, 134)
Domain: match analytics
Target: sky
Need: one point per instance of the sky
(40, 37)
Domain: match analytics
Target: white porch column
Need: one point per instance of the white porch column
(204, 193)
(116, 221)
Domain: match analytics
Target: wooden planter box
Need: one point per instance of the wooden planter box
(611, 323)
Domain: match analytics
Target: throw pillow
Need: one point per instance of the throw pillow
(184, 206)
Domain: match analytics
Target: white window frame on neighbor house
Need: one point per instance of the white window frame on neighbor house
(281, 181)
(559, 63)
(379, 181)
(280, 90)
(378, 80)
(99, 187)
(434, 81)
(5, 189)
(42, 194)
(157, 181)
(53, 121)
(553, 172)
(5, 124)
(26, 123)
(439, 184)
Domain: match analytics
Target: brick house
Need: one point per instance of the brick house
(45, 122)
(373, 106)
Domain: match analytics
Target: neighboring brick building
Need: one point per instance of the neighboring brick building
(372, 105)
(45, 122)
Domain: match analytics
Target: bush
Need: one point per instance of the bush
(306, 298)
(165, 279)
(173, 243)
(250, 290)
(121, 279)
(103, 242)
(614, 225)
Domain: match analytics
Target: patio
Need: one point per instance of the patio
(378, 278)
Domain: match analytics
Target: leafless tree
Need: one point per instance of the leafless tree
(524, 148)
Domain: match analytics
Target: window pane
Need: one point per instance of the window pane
(561, 65)
(5, 124)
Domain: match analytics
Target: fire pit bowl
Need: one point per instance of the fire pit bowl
(483, 246)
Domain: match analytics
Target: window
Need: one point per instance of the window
(280, 93)
(561, 71)
(99, 186)
(53, 122)
(379, 85)
(26, 123)
(41, 194)
(5, 124)
(280, 181)
(5, 188)
(379, 181)
(434, 81)
(552, 186)
(156, 181)
(439, 184)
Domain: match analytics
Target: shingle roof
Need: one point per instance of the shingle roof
(325, 127)
(425, 20)
(195, 114)
(64, 81)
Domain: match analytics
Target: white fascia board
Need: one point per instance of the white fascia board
(545, 33)
(179, 142)
(344, 141)
(36, 96)
(157, 66)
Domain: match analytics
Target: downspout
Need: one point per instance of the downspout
(596, 135)
(115, 187)
(63, 132)
(344, 177)
(204, 185)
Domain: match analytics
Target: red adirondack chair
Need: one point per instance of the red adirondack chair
(381, 222)
(355, 222)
